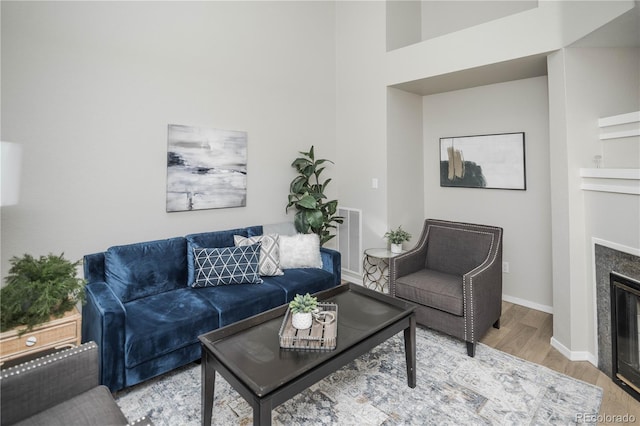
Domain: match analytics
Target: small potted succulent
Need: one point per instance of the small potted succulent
(301, 310)
(396, 238)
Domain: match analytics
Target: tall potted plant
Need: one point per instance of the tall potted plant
(306, 193)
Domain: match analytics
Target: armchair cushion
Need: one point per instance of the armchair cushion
(92, 408)
(456, 251)
(434, 289)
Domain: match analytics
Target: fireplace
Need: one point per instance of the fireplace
(625, 333)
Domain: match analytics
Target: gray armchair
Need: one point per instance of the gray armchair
(59, 389)
(454, 276)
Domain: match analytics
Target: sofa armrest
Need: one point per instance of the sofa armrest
(42, 383)
(103, 321)
(332, 262)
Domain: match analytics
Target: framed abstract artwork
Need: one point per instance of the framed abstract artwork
(484, 161)
(206, 168)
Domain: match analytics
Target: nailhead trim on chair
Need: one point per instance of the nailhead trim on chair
(48, 359)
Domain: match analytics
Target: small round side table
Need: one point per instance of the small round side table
(375, 265)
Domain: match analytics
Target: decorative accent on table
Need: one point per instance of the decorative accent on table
(206, 168)
(301, 309)
(37, 290)
(314, 214)
(320, 336)
(483, 161)
(396, 238)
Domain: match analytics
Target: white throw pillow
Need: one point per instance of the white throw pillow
(300, 251)
(269, 252)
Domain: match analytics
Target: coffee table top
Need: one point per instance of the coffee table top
(251, 348)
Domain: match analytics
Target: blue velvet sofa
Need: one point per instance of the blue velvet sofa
(145, 317)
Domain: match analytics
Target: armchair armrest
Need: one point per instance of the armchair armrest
(332, 262)
(407, 263)
(482, 290)
(37, 385)
(103, 311)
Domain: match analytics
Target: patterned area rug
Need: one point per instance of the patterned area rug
(494, 388)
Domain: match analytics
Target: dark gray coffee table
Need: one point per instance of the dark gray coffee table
(248, 354)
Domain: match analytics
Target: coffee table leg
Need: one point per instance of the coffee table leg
(410, 351)
(208, 383)
(262, 413)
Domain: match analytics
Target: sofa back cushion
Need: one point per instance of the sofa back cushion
(216, 239)
(138, 270)
(456, 251)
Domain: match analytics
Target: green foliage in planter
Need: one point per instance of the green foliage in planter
(38, 289)
(397, 236)
(302, 304)
(314, 213)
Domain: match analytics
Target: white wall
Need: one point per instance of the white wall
(517, 106)
(360, 109)
(88, 88)
(585, 85)
(405, 163)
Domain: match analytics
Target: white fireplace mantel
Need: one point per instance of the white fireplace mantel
(621, 181)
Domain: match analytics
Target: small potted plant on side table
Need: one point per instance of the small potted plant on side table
(396, 238)
(301, 310)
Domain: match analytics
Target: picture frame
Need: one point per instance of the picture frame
(493, 161)
(206, 168)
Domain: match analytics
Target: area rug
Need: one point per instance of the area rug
(494, 388)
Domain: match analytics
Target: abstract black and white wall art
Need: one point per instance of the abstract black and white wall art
(206, 168)
(484, 161)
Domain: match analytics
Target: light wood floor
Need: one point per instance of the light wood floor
(526, 333)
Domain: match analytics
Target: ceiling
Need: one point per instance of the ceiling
(623, 31)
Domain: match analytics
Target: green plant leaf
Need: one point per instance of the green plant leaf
(307, 202)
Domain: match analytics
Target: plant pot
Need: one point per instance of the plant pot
(301, 320)
(396, 248)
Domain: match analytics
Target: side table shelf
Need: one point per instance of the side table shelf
(57, 333)
(375, 267)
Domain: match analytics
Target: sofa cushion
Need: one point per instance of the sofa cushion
(456, 251)
(300, 251)
(302, 281)
(240, 301)
(269, 252)
(212, 240)
(94, 407)
(139, 270)
(434, 289)
(164, 322)
(227, 265)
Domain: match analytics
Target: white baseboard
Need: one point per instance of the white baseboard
(351, 277)
(528, 304)
(574, 355)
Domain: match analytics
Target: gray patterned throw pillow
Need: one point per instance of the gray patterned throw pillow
(269, 253)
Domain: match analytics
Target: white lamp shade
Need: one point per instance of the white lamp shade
(10, 160)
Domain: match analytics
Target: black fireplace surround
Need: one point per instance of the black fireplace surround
(625, 338)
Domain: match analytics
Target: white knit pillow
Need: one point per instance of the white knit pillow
(300, 251)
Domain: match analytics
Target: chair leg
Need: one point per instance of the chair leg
(471, 349)
(497, 324)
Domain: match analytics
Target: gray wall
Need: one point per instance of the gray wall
(517, 106)
(88, 88)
